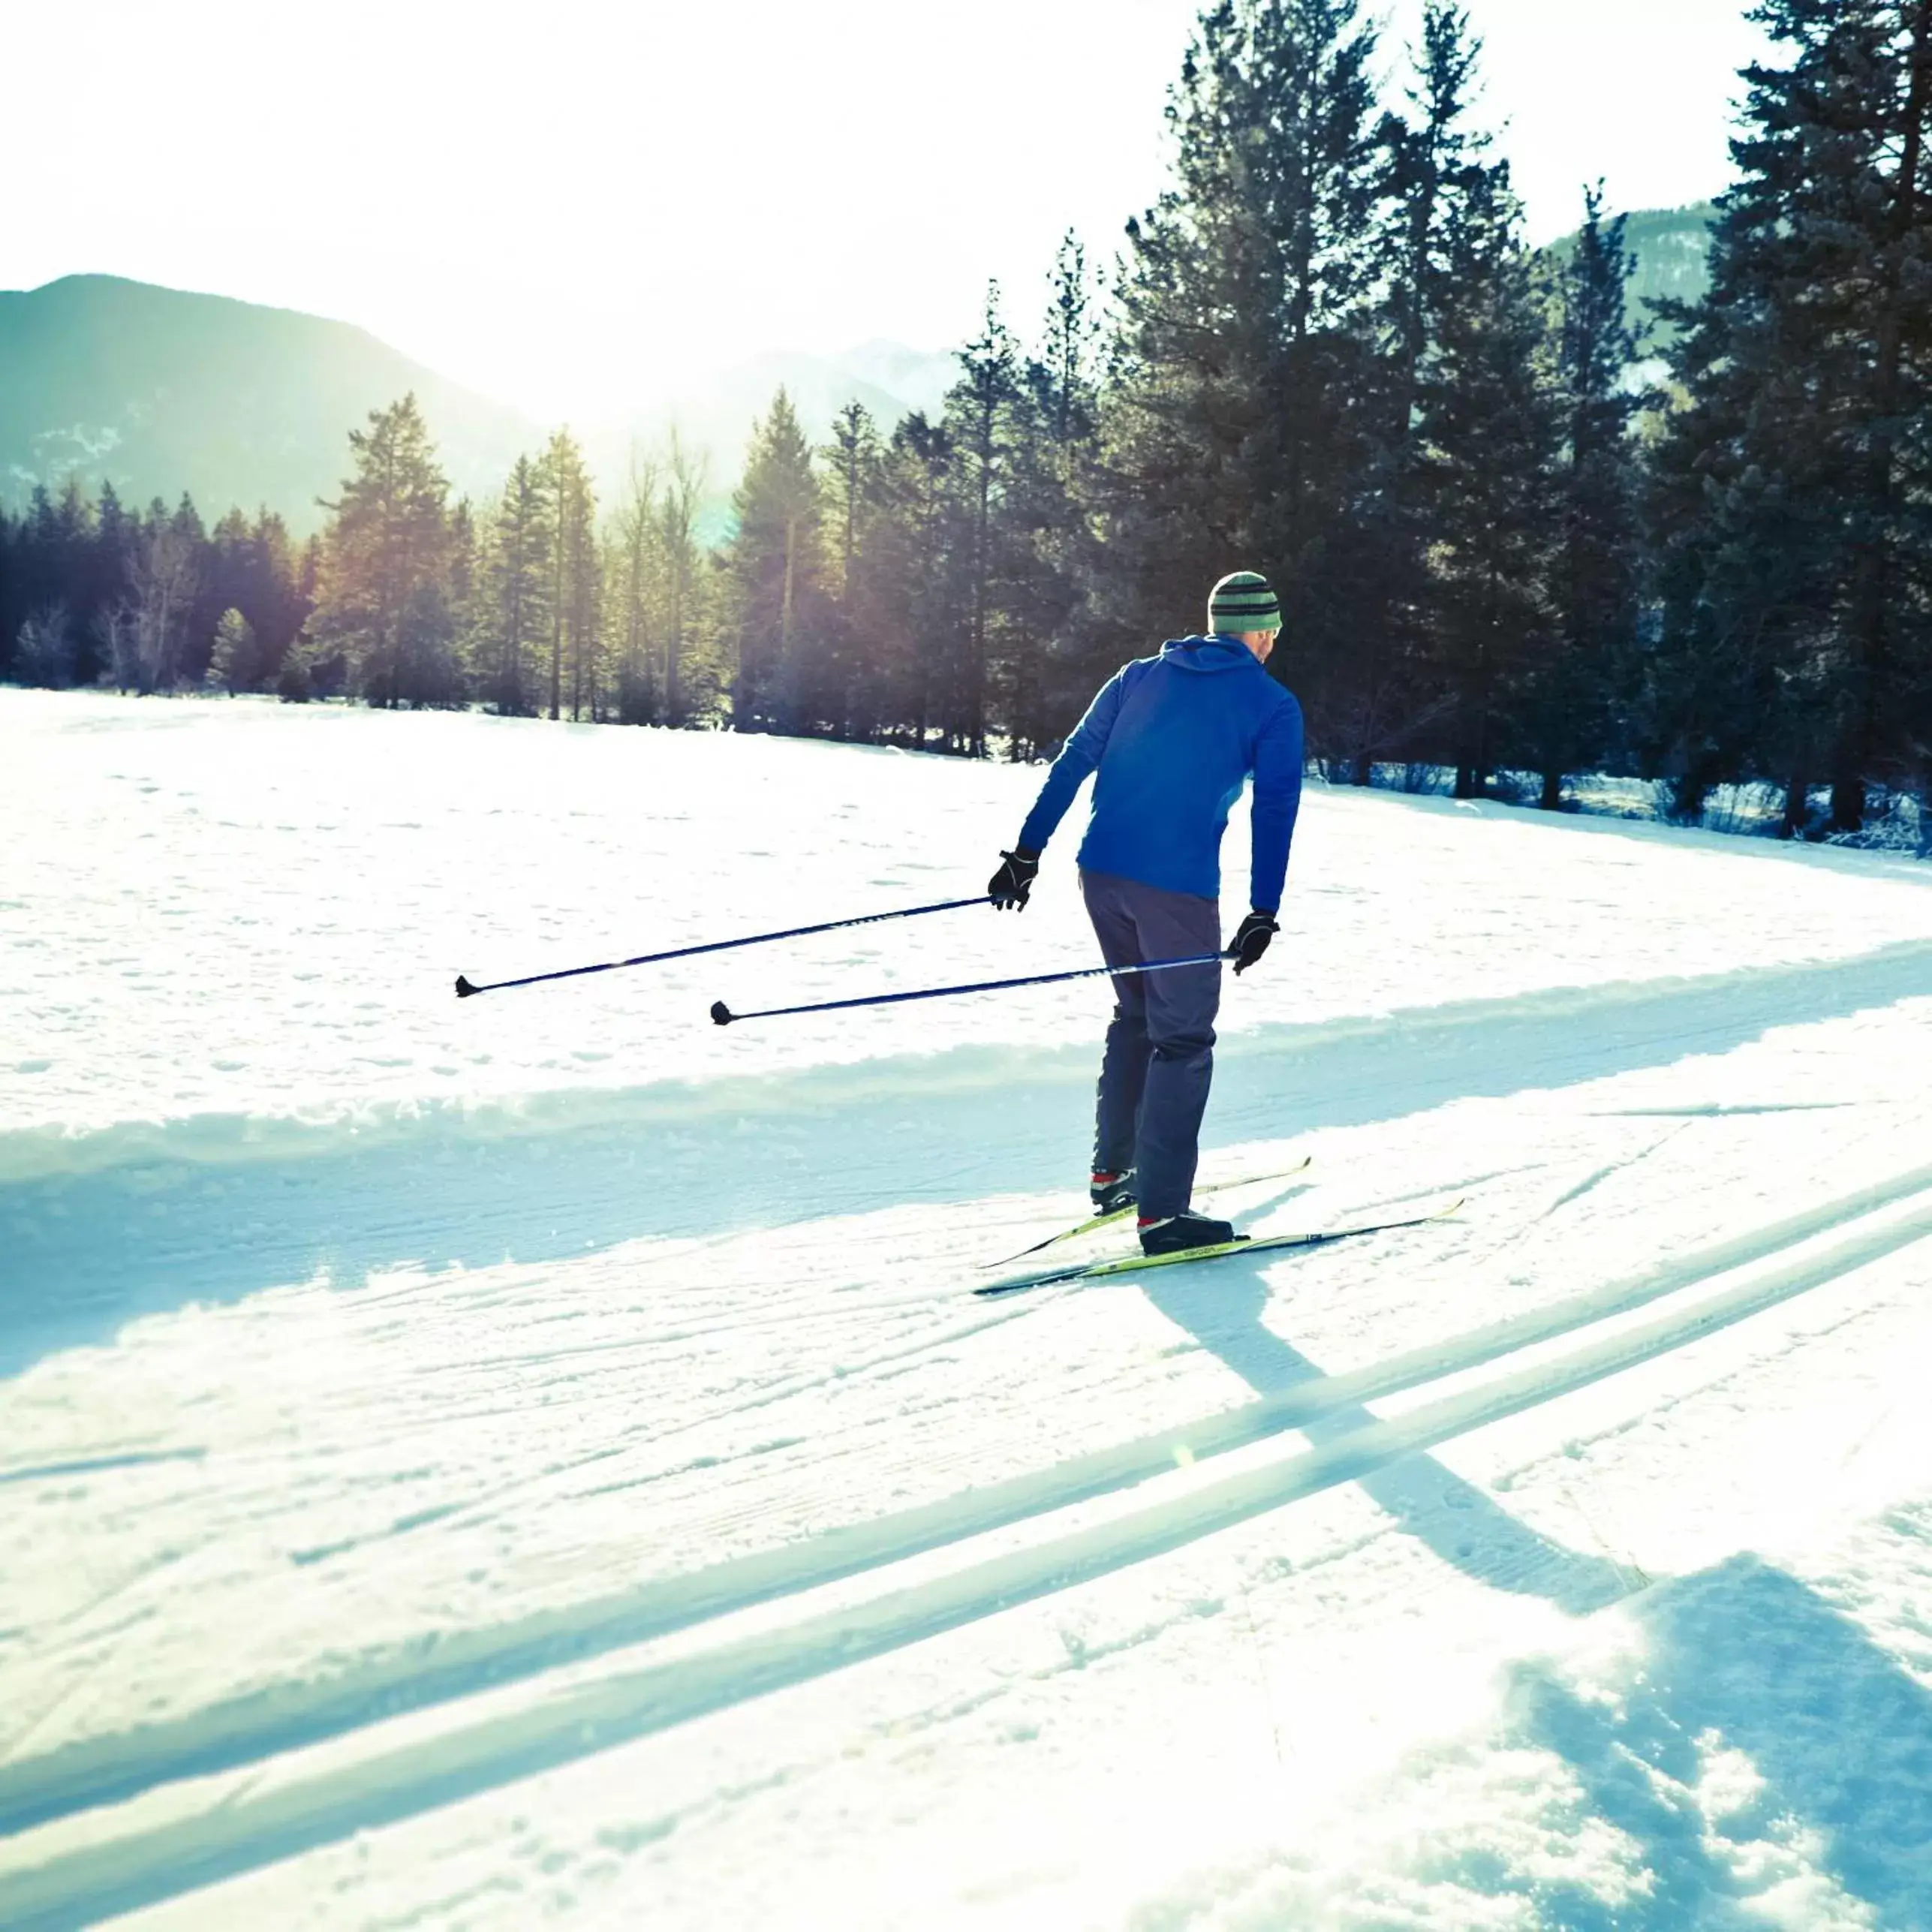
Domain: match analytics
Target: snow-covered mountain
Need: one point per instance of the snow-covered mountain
(538, 1458)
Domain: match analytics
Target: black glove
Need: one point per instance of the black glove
(1250, 940)
(1010, 884)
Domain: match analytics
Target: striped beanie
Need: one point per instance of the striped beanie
(1243, 601)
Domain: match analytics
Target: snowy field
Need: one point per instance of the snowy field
(537, 1460)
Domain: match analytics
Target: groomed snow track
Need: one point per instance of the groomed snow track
(141, 1818)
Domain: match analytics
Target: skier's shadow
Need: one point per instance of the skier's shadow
(1223, 1307)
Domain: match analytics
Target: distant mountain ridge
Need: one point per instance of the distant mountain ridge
(160, 390)
(1671, 248)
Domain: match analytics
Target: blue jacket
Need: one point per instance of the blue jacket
(1174, 737)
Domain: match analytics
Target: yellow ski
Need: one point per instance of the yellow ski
(1121, 1214)
(1136, 1264)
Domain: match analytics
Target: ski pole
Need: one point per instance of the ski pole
(724, 1016)
(464, 990)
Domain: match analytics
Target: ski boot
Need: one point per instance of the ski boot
(1110, 1193)
(1177, 1233)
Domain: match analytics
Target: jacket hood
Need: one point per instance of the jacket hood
(1208, 653)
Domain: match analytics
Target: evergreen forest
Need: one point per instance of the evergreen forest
(1524, 526)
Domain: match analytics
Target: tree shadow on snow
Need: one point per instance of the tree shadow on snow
(1743, 1656)
(1746, 1657)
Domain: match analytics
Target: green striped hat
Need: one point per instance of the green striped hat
(1243, 601)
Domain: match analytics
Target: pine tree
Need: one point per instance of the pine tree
(1241, 429)
(77, 529)
(466, 605)
(1794, 569)
(573, 585)
(911, 559)
(1199, 306)
(232, 667)
(689, 680)
(115, 533)
(515, 592)
(49, 566)
(164, 576)
(1064, 376)
(1323, 180)
(851, 466)
(633, 569)
(229, 563)
(1568, 705)
(1372, 699)
(1053, 653)
(295, 681)
(205, 605)
(978, 416)
(250, 569)
(1488, 433)
(776, 569)
(281, 594)
(1437, 162)
(851, 487)
(384, 602)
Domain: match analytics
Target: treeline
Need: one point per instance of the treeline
(406, 598)
(1514, 534)
(92, 592)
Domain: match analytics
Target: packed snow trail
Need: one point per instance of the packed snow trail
(457, 1182)
(38, 1788)
(35, 1790)
(395, 1768)
(737, 1568)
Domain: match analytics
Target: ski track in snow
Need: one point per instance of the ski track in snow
(383, 1777)
(486, 1496)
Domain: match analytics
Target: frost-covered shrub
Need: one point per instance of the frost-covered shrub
(47, 652)
(1894, 822)
(1754, 808)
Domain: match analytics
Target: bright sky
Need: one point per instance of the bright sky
(571, 205)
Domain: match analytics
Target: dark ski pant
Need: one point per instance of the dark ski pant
(1160, 1054)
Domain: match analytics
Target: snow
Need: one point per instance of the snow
(538, 1460)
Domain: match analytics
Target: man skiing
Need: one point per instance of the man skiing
(1172, 738)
